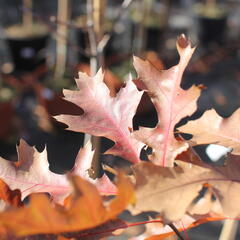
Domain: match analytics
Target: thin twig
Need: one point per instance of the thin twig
(48, 22)
(229, 230)
(28, 16)
(171, 225)
(123, 8)
(94, 64)
(96, 61)
(107, 37)
(61, 58)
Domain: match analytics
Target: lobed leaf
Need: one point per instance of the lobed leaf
(31, 173)
(85, 210)
(172, 103)
(169, 191)
(105, 116)
(172, 191)
(10, 197)
(211, 128)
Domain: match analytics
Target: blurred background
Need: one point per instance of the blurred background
(43, 44)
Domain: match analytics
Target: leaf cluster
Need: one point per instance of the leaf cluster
(174, 183)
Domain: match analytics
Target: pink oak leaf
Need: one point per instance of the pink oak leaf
(105, 116)
(172, 103)
(31, 173)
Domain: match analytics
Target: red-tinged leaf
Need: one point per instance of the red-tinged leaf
(85, 210)
(190, 156)
(172, 103)
(31, 173)
(111, 80)
(83, 163)
(211, 128)
(8, 196)
(155, 186)
(106, 116)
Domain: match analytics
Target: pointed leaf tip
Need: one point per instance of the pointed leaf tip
(183, 41)
(135, 58)
(185, 48)
(84, 210)
(171, 102)
(104, 115)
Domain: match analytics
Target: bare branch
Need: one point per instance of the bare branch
(107, 37)
(171, 225)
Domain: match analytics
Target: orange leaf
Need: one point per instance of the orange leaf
(62, 238)
(11, 197)
(85, 210)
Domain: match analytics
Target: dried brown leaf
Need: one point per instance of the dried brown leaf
(211, 128)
